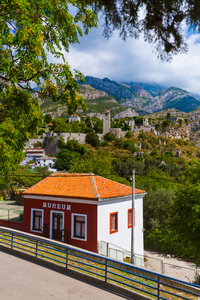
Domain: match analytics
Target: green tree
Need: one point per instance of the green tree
(19, 117)
(129, 134)
(92, 139)
(125, 168)
(130, 145)
(168, 115)
(29, 32)
(109, 136)
(186, 219)
(65, 159)
(161, 22)
(157, 204)
(98, 126)
(43, 171)
(48, 118)
(99, 164)
(74, 145)
(61, 144)
(60, 125)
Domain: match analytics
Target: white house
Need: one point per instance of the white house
(83, 210)
(74, 118)
(45, 161)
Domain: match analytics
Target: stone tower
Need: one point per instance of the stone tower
(106, 121)
(146, 122)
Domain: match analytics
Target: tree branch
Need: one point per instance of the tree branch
(4, 78)
(40, 71)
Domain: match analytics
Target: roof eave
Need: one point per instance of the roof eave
(59, 196)
(138, 195)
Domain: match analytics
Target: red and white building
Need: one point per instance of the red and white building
(84, 209)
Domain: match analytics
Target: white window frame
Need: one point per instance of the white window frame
(72, 228)
(36, 209)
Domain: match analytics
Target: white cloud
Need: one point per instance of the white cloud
(134, 60)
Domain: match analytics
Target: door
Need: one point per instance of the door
(57, 225)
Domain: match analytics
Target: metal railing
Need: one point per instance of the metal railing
(11, 214)
(124, 275)
(150, 263)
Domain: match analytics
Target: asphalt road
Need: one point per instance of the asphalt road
(23, 280)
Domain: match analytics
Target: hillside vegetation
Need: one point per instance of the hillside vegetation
(172, 203)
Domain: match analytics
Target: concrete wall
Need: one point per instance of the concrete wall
(122, 238)
(31, 142)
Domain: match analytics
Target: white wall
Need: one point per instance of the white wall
(122, 238)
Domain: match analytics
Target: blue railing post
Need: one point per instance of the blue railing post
(36, 254)
(106, 270)
(158, 287)
(12, 240)
(67, 257)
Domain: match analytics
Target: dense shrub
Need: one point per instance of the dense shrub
(92, 139)
(61, 144)
(41, 131)
(65, 159)
(104, 144)
(38, 144)
(73, 145)
(131, 146)
(109, 136)
(119, 143)
(48, 118)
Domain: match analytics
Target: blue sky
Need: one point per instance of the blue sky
(134, 60)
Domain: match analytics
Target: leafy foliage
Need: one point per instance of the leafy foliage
(29, 32)
(157, 204)
(92, 139)
(109, 136)
(19, 117)
(186, 218)
(65, 159)
(160, 22)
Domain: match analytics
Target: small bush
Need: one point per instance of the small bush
(130, 145)
(109, 137)
(169, 154)
(196, 279)
(38, 145)
(92, 139)
(154, 152)
(142, 136)
(61, 144)
(104, 144)
(41, 131)
(119, 143)
(129, 134)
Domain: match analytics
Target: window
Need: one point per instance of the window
(36, 220)
(114, 222)
(79, 226)
(130, 218)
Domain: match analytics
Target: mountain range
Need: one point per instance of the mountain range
(145, 98)
(142, 98)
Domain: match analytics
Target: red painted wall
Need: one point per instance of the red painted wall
(14, 225)
(88, 209)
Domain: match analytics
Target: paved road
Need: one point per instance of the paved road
(23, 280)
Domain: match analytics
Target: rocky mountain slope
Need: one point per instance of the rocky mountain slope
(145, 98)
(101, 94)
(97, 101)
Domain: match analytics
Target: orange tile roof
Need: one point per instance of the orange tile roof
(84, 186)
